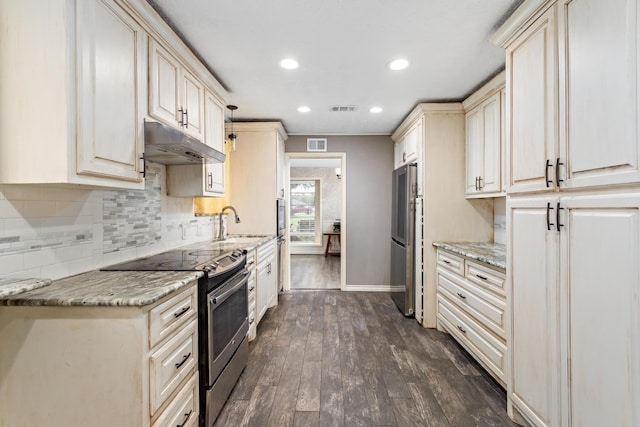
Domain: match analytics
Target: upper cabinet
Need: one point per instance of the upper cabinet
(572, 76)
(598, 70)
(406, 148)
(257, 175)
(484, 140)
(78, 70)
(176, 96)
(205, 180)
(88, 73)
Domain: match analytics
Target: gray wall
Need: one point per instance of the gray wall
(369, 163)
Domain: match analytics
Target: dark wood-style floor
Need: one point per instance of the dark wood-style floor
(331, 358)
(315, 272)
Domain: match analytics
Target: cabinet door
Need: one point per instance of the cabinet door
(602, 273)
(398, 153)
(214, 137)
(262, 288)
(532, 123)
(600, 85)
(474, 148)
(164, 84)
(192, 102)
(280, 166)
(532, 293)
(411, 143)
(111, 82)
(490, 171)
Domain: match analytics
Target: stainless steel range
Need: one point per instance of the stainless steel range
(222, 317)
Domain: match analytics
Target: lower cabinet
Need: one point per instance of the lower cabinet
(263, 283)
(471, 307)
(267, 272)
(101, 366)
(574, 293)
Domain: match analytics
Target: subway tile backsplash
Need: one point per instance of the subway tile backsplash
(53, 232)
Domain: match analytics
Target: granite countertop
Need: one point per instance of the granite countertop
(12, 286)
(106, 288)
(115, 288)
(494, 254)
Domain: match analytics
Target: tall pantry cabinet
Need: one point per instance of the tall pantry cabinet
(573, 212)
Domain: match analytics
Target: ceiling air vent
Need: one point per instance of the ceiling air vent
(316, 144)
(344, 108)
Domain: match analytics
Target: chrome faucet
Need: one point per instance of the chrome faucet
(220, 230)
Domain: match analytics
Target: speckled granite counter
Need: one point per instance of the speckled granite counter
(494, 254)
(117, 288)
(106, 288)
(13, 286)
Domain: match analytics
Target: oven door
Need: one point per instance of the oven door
(227, 322)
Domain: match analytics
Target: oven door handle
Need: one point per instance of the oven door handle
(219, 299)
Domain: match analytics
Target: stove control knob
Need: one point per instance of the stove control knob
(237, 253)
(210, 267)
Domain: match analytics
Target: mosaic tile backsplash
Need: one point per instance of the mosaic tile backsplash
(53, 232)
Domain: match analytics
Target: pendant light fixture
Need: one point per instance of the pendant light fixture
(232, 136)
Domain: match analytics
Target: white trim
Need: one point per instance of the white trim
(372, 288)
(343, 210)
(341, 134)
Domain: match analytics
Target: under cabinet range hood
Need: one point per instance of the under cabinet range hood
(169, 146)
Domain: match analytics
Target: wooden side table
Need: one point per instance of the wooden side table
(329, 236)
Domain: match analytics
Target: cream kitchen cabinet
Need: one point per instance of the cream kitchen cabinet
(251, 299)
(406, 148)
(484, 140)
(78, 70)
(471, 307)
(266, 278)
(208, 179)
(257, 175)
(176, 96)
(573, 94)
(116, 365)
(576, 314)
(446, 214)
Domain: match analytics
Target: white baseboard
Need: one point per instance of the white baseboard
(306, 250)
(372, 288)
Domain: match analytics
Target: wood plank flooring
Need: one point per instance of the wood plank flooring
(331, 358)
(315, 272)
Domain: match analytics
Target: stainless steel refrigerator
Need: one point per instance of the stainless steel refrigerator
(403, 215)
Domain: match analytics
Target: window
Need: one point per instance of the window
(305, 209)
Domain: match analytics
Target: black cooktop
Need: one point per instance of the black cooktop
(179, 260)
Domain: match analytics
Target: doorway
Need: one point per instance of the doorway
(316, 220)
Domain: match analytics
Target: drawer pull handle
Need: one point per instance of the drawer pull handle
(251, 288)
(446, 261)
(181, 312)
(184, 360)
(462, 330)
(481, 277)
(461, 296)
(250, 262)
(186, 418)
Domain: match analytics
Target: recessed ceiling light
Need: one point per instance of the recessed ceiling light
(375, 110)
(398, 64)
(289, 64)
(304, 109)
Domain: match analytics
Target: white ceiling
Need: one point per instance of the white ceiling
(343, 47)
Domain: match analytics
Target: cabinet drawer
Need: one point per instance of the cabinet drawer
(171, 364)
(265, 250)
(251, 260)
(451, 262)
(183, 409)
(486, 348)
(485, 308)
(167, 317)
(486, 277)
